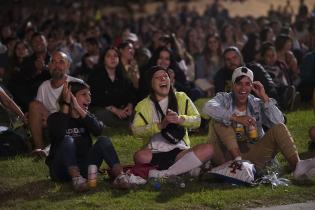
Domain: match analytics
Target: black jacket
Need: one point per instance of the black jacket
(105, 92)
(61, 125)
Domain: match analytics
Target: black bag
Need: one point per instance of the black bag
(12, 144)
(173, 133)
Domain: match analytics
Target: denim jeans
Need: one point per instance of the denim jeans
(65, 157)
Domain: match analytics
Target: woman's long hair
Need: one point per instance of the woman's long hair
(101, 63)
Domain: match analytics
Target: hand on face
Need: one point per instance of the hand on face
(75, 103)
(259, 90)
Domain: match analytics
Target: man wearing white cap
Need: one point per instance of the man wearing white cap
(237, 130)
(233, 59)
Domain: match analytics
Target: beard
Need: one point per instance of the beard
(57, 75)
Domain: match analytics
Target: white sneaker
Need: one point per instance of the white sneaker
(304, 169)
(136, 180)
(46, 150)
(122, 181)
(157, 174)
(79, 184)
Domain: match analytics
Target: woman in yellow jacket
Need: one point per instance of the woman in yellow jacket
(161, 121)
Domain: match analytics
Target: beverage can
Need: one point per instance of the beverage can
(252, 133)
(239, 131)
(92, 176)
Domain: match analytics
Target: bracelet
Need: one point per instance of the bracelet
(67, 103)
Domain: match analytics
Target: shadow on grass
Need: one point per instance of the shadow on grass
(43, 189)
(168, 192)
(30, 191)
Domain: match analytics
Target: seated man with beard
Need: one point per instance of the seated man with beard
(47, 99)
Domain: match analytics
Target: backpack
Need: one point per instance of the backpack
(11, 143)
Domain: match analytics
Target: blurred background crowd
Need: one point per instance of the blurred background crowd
(188, 42)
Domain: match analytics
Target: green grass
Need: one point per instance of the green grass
(25, 184)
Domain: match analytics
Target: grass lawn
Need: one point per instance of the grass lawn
(24, 183)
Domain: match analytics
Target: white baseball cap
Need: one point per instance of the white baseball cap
(242, 71)
(131, 37)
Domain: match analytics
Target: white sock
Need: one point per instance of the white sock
(188, 162)
(303, 167)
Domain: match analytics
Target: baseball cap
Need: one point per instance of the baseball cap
(131, 37)
(242, 71)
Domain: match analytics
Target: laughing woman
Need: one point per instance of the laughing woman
(161, 121)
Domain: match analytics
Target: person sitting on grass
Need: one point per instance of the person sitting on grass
(238, 114)
(46, 101)
(72, 154)
(162, 120)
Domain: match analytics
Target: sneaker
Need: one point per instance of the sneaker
(303, 169)
(157, 173)
(122, 182)
(39, 153)
(46, 150)
(136, 180)
(79, 184)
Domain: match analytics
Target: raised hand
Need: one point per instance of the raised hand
(66, 92)
(259, 90)
(75, 105)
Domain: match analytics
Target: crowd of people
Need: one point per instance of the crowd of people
(70, 70)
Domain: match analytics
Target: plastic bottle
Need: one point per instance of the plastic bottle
(155, 183)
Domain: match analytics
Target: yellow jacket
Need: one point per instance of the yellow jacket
(145, 130)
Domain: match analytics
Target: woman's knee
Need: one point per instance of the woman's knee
(36, 106)
(204, 151)
(143, 156)
(279, 127)
(67, 142)
(103, 141)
